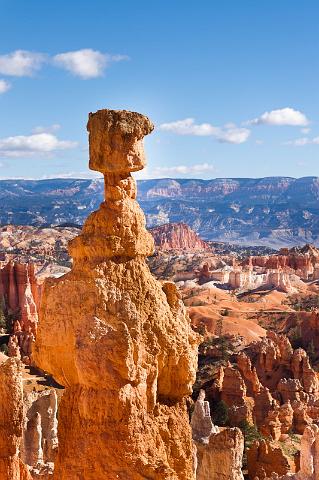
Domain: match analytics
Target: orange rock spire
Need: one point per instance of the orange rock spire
(117, 339)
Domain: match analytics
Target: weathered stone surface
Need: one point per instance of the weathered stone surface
(201, 422)
(309, 457)
(11, 421)
(264, 458)
(219, 453)
(221, 459)
(116, 141)
(177, 236)
(118, 340)
(20, 294)
(40, 440)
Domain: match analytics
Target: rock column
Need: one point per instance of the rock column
(117, 339)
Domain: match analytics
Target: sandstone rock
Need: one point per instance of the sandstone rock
(221, 459)
(272, 427)
(177, 236)
(20, 292)
(248, 373)
(286, 415)
(34, 441)
(263, 458)
(309, 457)
(234, 394)
(302, 370)
(201, 422)
(120, 343)
(11, 421)
(19, 288)
(40, 440)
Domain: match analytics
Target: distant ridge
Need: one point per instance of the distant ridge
(272, 211)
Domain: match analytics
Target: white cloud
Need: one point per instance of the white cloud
(32, 145)
(21, 63)
(233, 135)
(305, 131)
(230, 133)
(50, 129)
(86, 63)
(196, 169)
(4, 86)
(281, 116)
(188, 127)
(301, 142)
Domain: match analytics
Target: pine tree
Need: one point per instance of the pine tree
(3, 323)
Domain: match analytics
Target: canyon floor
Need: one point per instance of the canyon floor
(257, 314)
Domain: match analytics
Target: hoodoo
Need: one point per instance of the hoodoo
(116, 338)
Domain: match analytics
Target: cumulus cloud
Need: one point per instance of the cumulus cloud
(4, 86)
(230, 133)
(86, 63)
(50, 129)
(196, 169)
(32, 145)
(21, 63)
(301, 142)
(281, 116)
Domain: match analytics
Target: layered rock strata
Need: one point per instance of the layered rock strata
(177, 236)
(117, 339)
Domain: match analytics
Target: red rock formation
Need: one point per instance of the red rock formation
(309, 458)
(177, 236)
(118, 340)
(263, 458)
(20, 294)
(20, 290)
(303, 261)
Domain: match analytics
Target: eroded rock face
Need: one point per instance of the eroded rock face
(263, 459)
(219, 453)
(40, 440)
(177, 236)
(201, 422)
(20, 294)
(118, 340)
(221, 459)
(11, 421)
(309, 457)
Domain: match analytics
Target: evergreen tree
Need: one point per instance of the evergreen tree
(3, 323)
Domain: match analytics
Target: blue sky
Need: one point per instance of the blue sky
(232, 85)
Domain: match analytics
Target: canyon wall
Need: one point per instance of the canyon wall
(177, 236)
(117, 339)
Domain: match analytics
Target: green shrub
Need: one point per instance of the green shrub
(220, 415)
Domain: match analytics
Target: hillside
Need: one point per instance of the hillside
(273, 211)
